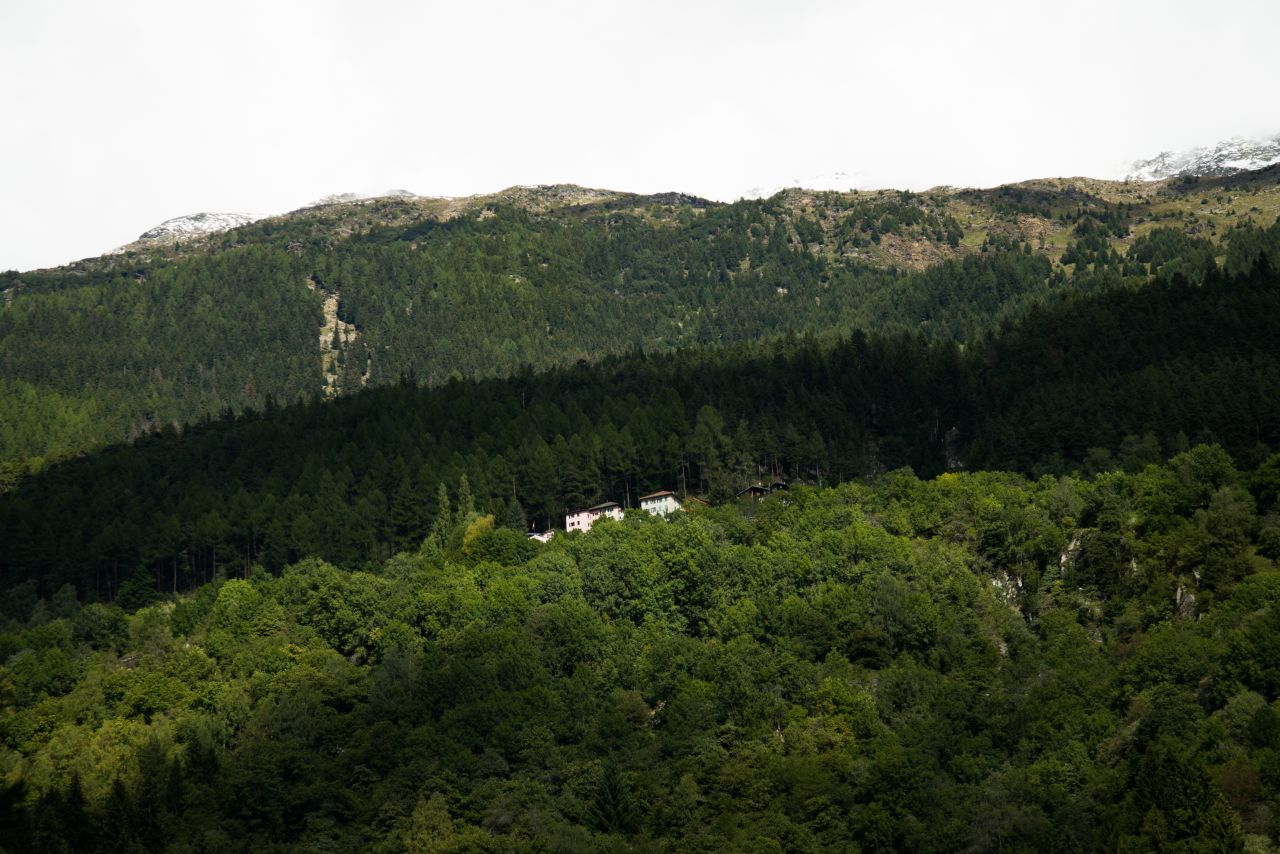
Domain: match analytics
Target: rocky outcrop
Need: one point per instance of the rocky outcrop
(1240, 154)
(339, 341)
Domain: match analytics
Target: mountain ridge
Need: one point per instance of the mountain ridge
(188, 226)
(1228, 157)
(332, 298)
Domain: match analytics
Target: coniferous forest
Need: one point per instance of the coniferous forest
(269, 588)
(115, 348)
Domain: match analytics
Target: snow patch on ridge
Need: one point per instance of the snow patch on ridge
(1238, 154)
(347, 198)
(195, 224)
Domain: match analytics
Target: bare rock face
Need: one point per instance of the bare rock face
(1239, 154)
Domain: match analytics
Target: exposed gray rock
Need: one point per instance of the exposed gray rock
(1239, 154)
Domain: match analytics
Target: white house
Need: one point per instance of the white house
(660, 503)
(544, 537)
(584, 519)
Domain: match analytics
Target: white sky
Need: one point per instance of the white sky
(117, 115)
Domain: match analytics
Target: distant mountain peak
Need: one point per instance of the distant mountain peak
(348, 198)
(1238, 154)
(840, 181)
(196, 224)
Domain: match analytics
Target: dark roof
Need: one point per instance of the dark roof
(753, 489)
(604, 506)
(656, 494)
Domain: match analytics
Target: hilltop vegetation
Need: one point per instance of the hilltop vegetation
(113, 348)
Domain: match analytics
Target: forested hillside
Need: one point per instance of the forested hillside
(1019, 592)
(1130, 374)
(980, 662)
(116, 347)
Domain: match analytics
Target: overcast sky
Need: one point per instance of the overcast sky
(118, 115)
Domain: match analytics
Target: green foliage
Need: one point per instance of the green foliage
(907, 664)
(327, 630)
(1134, 372)
(159, 347)
(173, 340)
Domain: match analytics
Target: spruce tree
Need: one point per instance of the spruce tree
(466, 502)
(516, 519)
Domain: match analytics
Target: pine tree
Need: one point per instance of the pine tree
(614, 809)
(466, 502)
(118, 820)
(404, 512)
(516, 519)
(174, 788)
(441, 527)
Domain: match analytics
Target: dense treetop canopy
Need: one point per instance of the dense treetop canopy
(977, 662)
(1019, 591)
